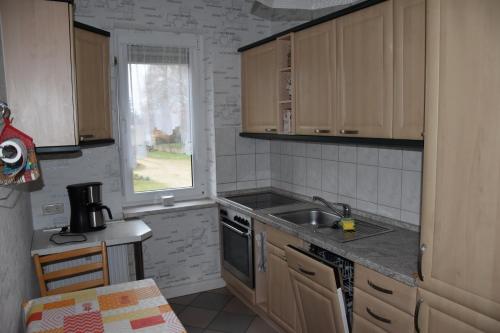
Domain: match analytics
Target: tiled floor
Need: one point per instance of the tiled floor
(217, 311)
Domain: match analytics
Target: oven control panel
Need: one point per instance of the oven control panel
(235, 216)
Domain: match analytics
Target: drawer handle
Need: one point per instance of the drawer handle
(321, 131)
(377, 288)
(382, 319)
(344, 131)
(270, 130)
(307, 272)
(416, 314)
(419, 263)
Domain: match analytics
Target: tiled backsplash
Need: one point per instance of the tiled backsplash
(382, 181)
(242, 163)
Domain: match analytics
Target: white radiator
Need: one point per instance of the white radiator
(117, 264)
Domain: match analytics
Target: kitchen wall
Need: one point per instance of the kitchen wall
(225, 26)
(183, 254)
(377, 180)
(242, 163)
(17, 276)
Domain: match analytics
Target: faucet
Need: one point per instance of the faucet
(346, 209)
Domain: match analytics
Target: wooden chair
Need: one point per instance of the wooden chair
(65, 273)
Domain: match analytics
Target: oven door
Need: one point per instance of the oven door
(237, 251)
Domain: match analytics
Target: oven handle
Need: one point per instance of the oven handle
(239, 232)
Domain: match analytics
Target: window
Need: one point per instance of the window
(162, 146)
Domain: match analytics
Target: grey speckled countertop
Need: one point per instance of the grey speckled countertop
(393, 254)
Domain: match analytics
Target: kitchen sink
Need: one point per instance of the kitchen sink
(314, 217)
(323, 222)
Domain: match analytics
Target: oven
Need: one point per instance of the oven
(237, 245)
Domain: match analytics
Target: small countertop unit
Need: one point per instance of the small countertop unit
(115, 233)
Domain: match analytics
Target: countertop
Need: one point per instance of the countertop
(393, 254)
(115, 233)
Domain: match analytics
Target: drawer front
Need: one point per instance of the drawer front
(361, 325)
(381, 314)
(281, 239)
(311, 269)
(382, 287)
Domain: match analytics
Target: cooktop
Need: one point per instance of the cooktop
(262, 200)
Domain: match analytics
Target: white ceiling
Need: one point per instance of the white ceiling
(304, 4)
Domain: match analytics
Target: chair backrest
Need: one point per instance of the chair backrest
(44, 278)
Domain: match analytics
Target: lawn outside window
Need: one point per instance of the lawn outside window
(162, 144)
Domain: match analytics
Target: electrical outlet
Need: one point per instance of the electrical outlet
(53, 209)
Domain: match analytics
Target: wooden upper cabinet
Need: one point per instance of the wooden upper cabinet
(39, 69)
(92, 82)
(259, 87)
(461, 176)
(409, 69)
(365, 72)
(439, 315)
(314, 67)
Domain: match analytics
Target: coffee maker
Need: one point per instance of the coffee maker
(86, 207)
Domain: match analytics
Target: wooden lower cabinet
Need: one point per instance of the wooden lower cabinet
(439, 315)
(315, 289)
(281, 302)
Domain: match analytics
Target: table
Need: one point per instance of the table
(116, 233)
(133, 307)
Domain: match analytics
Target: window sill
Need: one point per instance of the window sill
(145, 210)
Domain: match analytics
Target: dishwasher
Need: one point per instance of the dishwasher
(323, 287)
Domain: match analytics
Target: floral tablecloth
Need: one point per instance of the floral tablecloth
(136, 306)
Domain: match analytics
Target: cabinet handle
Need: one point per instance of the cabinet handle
(307, 272)
(270, 130)
(420, 255)
(377, 288)
(344, 131)
(382, 319)
(416, 314)
(321, 131)
(86, 137)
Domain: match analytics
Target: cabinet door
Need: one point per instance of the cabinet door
(38, 61)
(409, 69)
(365, 72)
(315, 289)
(259, 89)
(461, 178)
(92, 82)
(314, 67)
(281, 302)
(439, 315)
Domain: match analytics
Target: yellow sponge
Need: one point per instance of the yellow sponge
(348, 224)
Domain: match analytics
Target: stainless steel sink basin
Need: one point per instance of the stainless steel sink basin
(322, 222)
(313, 217)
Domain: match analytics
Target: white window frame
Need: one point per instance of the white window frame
(122, 38)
